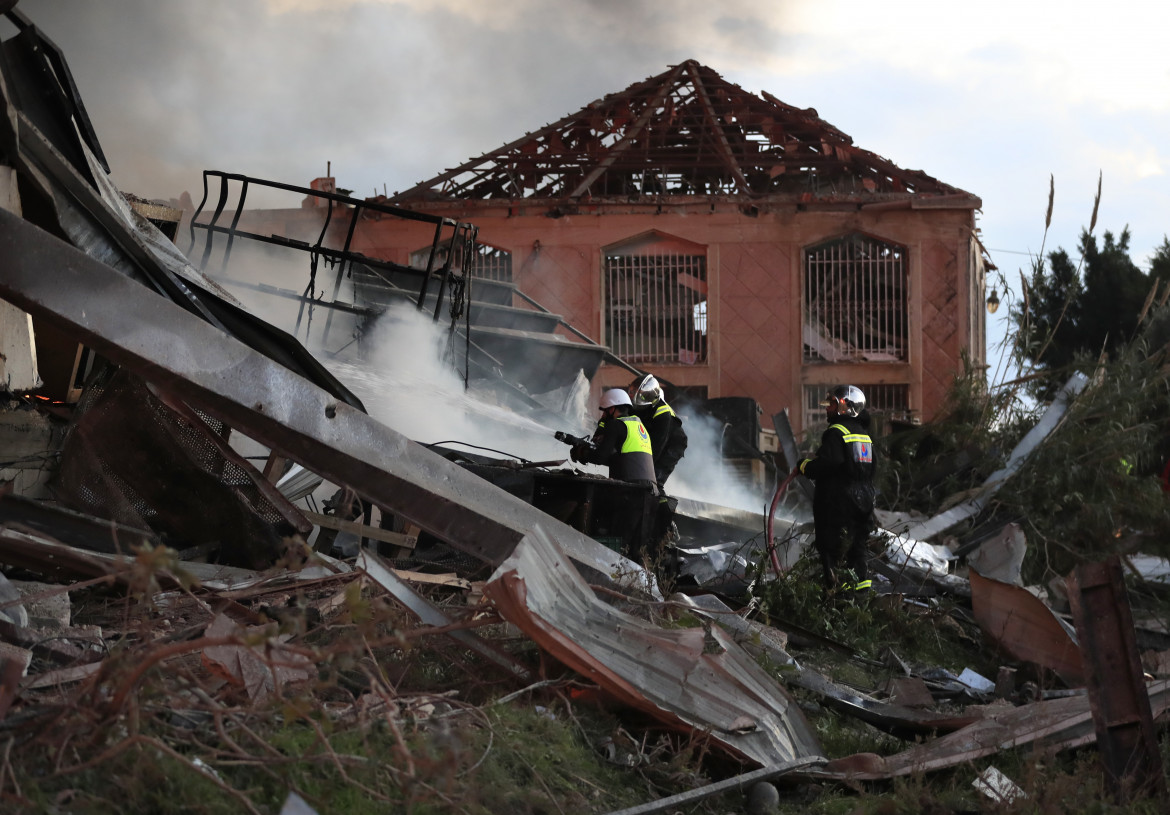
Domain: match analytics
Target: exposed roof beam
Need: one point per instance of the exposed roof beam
(628, 139)
(717, 129)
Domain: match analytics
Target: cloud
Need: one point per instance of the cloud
(991, 98)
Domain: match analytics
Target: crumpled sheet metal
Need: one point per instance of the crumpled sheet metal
(688, 678)
(192, 360)
(1020, 623)
(1056, 724)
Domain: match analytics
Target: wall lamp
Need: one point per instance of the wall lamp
(992, 302)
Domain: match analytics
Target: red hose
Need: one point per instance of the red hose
(772, 514)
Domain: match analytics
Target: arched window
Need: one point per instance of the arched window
(656, 302)
(856, 296)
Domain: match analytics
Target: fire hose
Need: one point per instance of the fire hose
(772, 514)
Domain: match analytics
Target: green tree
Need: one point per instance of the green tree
(1074, 312)
(1160, 262)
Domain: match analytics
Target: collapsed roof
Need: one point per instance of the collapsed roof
(684, 132)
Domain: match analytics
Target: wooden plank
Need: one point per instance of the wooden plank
(450, 580)
(1055, 724)
(399, 539)
(61, 676)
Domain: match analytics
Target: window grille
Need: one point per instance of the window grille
(855, 302)
(489, 263)
(656, 307)
(882, 401)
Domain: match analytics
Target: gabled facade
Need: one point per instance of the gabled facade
(728, 243)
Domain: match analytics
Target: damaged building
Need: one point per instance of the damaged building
(733, 245)
(159, 443)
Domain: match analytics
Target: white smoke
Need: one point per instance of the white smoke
(704, 474)
(407, 381)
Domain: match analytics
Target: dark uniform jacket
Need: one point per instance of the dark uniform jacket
(843, 468)
(667, 437)
(624, 445)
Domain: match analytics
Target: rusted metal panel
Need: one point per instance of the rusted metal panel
(1022, 625)
(1126, 740)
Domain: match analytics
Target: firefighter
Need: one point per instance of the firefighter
(843, 503)
(622, 443)
(619, 442)
(667, 437)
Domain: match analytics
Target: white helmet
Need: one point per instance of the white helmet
(649, 391)
(849, 400)
(613, 397)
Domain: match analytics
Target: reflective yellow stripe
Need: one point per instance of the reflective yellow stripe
(852, 437)
(664, 409)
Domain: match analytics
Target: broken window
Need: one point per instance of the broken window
(855, 301)
(880, 400)
(656, 306)
(487, 263)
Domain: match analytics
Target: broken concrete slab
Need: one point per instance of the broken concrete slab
(12, 608)
(47, 604)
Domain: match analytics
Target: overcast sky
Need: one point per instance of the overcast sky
(991, 97)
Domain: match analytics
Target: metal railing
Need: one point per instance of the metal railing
(447, 261)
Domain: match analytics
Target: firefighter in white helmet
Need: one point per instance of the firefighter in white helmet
(622, 443)
(619, 442)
